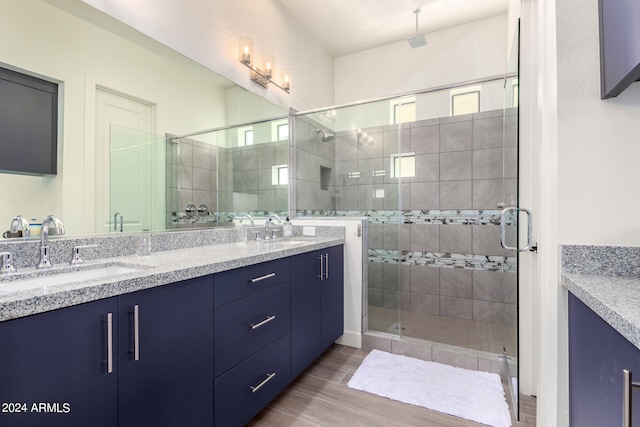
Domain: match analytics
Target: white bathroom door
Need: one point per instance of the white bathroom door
(123, 158)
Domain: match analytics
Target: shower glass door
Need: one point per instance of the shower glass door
(515, 224)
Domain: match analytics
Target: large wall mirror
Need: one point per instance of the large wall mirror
(122, 94)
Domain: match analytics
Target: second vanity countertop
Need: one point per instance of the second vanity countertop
(614, 299)
(159, 268)
(607, 280)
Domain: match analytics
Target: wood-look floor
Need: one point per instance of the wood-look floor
(489, 337)
(320, 397)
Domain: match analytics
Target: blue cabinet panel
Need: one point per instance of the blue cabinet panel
(245, 326)
(172, 382)
(597, 356)
(56, 359)
(317, 304)
(245, 390)
(332, 304)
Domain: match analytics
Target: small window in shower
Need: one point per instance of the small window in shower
(245, 136)
(403, 165)
(280, 130)
(465, 101)
(280, 175)
(248, 137)
(403, 110)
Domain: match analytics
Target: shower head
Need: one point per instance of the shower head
(417, 40)
(326, 137)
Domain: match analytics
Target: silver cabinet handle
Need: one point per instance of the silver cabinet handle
(627, 392)
(326, 268)
(266, 276)
(503, 228)
(109, 322)
(321, 276)
(264, 322)
(136, 333)
(266, 380)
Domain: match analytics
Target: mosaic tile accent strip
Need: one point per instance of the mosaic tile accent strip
(447, 260)
(430, 216)
(221, 217)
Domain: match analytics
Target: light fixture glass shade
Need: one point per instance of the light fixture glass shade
(286, 79)
(245, 49)
(267, 65)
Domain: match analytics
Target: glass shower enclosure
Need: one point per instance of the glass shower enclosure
(431, 172)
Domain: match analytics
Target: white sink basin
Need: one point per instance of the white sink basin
(65, 278)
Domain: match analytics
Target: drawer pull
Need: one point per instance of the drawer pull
(264, 322)
(266, 276)
(266, 380)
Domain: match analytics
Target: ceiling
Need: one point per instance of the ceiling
(348, 26)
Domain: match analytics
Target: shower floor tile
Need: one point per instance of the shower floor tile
(489, 337)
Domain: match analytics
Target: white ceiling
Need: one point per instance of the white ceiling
(348, 26)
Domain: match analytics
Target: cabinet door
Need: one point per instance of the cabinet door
(171, 383)
(597, 356)
(52, 365)
(332, 294)
(305, 311)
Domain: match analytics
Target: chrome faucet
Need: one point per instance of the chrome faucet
(44, 239)
(269, 223)
(18, 223)
(115, 221)
(8, 266)
(246, 216)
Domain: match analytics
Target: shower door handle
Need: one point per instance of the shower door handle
(503, 229)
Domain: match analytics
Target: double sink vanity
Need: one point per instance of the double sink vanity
(205, 330)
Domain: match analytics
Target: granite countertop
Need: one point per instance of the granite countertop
(613, 298)
(159, 268)
(606, 279)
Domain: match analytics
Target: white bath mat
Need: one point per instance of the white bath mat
(474, 395)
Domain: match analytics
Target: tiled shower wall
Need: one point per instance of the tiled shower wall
(228, 180)
(464, 166)
(191, 177)
(245, 175)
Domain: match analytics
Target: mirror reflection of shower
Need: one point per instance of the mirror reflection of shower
(326, 137)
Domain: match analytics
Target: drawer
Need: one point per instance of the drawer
(241, 282)
(246, 326)
(268, 372)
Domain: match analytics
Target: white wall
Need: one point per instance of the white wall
(45, 40)
(189, 25)
(598, 141)
(457, 54)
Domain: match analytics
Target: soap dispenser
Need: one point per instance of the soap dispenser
(287, 228)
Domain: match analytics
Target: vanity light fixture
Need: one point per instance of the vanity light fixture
(261, 75)
(363, 138)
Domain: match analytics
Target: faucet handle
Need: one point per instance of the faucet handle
(7, 263)
(75, 258)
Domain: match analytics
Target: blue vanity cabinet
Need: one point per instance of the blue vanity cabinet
(252, 322)
(166, 373)
(597, 356)
(317, 304)
(53, 368)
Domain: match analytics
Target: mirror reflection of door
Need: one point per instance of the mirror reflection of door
(125, 156)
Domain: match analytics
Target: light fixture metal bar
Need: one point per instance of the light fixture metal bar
(261, 78)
